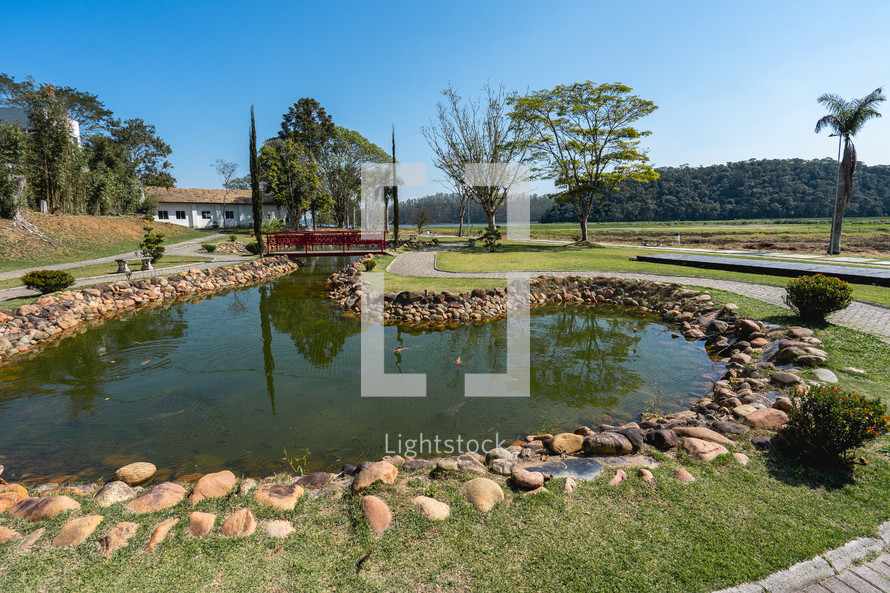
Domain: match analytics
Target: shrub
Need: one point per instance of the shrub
(232, 238)
(253, 248)
(273, 225)
(814, 297)
(209, 247)
(829, 421)
(491, 239)
(370, 264)
(153, 244)
(47, 281)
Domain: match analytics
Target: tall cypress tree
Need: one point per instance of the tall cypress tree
(395, 192)
(256, 197)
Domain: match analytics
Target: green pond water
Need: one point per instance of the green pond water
(233, 381)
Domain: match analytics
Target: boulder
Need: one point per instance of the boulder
(498, 453)
(278, 528)
(743, 410)
(200, 523)
(702, 450)
(741, 458)
(785, 379)
(76, 531)
(314, 480)
(825, 375)
(37, 509)
(699, 432)
(160, 533)
(569, 485)
(526, 479)
(162, 496)
(412, 465)
(431, 508)
(684, 476)
(239, 524)
(247, 484)
(7, 534)
(566, 442)
(619, 477)
(482, 493)
(278, 496)
(767, 418)
(135, 473)
(662, 438)
(501, 466)
(728, 427)
(117, 538)
(380, 471)
(460, 463)
(645, 474)
(783, 403)
(607, 443)
(377, 513)
(635, 435)
(114, 492)
(30, 539)
(213, 486)
(10, 494)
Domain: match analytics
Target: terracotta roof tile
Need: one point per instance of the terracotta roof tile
(191, 195)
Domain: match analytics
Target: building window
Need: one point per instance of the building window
(163, 215)
(180, 215)
(230, 214)
(205, 214)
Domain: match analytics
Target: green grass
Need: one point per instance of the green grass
(168, 261)
(731, 525)
(524, 256)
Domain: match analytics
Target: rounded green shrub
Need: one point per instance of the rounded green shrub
(369, 264)
(829, 421)
(209, 247)
(814, 297)
(253, 248)
(47, 281)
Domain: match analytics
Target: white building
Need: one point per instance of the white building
(210, 208)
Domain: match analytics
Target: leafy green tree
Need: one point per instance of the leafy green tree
(292, 176)
(846, 119)
(420, 218)
(145, 150)
(86, 108)
(13, 152)
(242, 183)
(256, 196)
(342, 165)
(112, 184)
(153, 244)
(583, 139)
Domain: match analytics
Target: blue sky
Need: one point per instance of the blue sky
(733, 81)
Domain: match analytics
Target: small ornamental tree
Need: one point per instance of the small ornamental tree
(814, 297)
(47, 281)
(153, 244)
(830, 421)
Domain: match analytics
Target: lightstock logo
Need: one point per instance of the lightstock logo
(513, 179)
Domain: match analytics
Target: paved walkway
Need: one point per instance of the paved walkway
(865, 317)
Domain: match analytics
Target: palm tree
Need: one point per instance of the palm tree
(846, 118)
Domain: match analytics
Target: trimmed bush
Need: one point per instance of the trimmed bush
(209, 247)
(829, 421)
(491, 239)
(370, 264)
(47, 281)
(253, 248)
(232, 238)
(814, 297)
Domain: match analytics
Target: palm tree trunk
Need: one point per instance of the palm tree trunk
(844, 193)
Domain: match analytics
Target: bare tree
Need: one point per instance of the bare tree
(226, 171)
(475, 131)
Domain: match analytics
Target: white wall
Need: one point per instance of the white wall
(193, 214)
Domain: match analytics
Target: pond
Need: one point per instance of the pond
(242, 379)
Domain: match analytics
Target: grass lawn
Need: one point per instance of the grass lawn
(524, 256)
(168, 261)
(731, 525)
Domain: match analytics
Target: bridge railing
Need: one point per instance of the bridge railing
(327, 242)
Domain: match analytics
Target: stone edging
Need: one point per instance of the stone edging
(55, 316)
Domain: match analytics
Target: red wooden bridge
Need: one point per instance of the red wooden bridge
(328, 242)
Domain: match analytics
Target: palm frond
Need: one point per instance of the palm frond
(828, 121)
(834, 103)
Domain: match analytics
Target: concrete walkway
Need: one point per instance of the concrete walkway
(865, 317)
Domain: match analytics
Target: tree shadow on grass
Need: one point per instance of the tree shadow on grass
(796, 470)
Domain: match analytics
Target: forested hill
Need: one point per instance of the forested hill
(769, 188)
(443, 209)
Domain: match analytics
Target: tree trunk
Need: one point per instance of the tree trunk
(583, 221)
(490, 215)
(844, 193)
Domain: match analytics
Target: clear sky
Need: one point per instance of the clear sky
(733, 80)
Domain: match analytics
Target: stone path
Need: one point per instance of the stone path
(865, 317)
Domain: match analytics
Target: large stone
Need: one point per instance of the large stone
(247, 484)
(76, 531)
(620, 476)
(767, 418)
(278, 496)
(431, 508)
(213, 486)
(662, 438)
(482, 493)
(135, 473)
(635, 435)
(460, 463)
(566, 442)
(526, 479)
(377, 513)
(7, 534)
(114, 492)
(10, 494)
(498, 453)
(30, 539)
(703, 450)
(743, 410)
(162, 496)
(413, 465)
(684, 476)
(200, 523)
(703, 433)
(239, 524)
(728, 427)
(117, 538)
(37, 509)
(314, 480)
(607, 443)
(645, 474)
(501, 466)
(380, 471)
(160, 533)
(785, 379)
(278, 528)
(825, 375)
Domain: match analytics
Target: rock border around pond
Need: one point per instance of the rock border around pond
(29, 328)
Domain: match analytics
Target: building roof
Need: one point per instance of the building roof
(191, 195)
